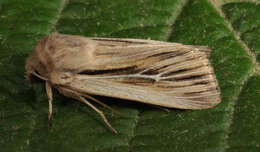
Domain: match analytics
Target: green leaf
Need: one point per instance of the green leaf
(230, 29)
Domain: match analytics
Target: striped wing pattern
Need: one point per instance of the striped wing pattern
(180, 73)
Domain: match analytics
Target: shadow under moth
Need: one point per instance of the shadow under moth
(159, 73)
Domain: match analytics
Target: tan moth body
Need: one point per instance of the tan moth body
(154, 72)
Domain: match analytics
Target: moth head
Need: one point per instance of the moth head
(34, 68)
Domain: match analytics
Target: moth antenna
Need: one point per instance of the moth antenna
(103, 104)
(39, 76)
(100, 113)
(49, 94)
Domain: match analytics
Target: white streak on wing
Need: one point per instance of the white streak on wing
(155, 77)
(197, 71)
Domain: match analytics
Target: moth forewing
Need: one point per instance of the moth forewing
(153, 72)
(178, 79)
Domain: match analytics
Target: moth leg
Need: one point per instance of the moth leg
(80, 97)
(103, 104)
(49, 94)
(99, 112)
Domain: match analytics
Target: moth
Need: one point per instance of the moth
(159, 73)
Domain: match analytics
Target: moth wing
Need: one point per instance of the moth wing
(61, 52)
(153, 72)
(110, 53)
(129, 42)
(147, 95)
